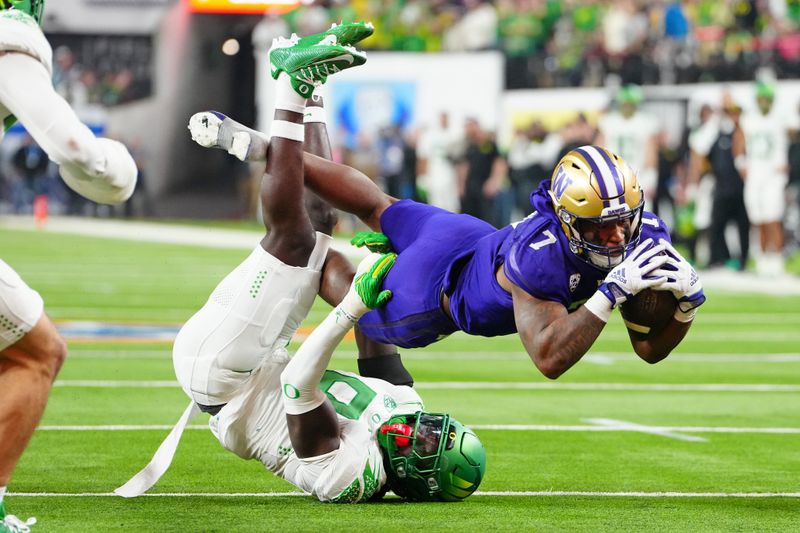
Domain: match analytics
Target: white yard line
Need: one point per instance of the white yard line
(621, 427)
(603, 358)
(524, 494)
(487, 385)
(209, 237)
(639, 428)
(700, 335)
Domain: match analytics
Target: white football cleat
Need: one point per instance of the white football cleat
(12, 524)
(212, 129)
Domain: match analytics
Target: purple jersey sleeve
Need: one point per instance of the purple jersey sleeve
(653, 228)
(535, 259)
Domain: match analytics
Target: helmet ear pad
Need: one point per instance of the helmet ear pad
(401, 433)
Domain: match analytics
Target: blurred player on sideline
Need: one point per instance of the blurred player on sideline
(341, 437)
(31, 351)
(632, 134)
(765, 169)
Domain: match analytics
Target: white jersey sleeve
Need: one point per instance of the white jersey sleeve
(19, 32)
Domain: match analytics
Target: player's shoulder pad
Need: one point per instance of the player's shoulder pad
(653, 226)
(535, 257)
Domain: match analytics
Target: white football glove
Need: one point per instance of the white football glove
(635, 273)
(681, 280)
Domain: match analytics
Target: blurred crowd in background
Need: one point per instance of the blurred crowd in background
(558, 43)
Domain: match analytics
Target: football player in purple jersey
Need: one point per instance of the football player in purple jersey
(554, 277)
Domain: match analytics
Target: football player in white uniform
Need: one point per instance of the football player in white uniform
(31, 351)
(765, 169)
(341, 437)
(631, 134)
(345, 438)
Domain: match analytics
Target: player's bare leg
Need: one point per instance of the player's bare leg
(374, 359)
(27, 371)
(298, 70)
(344, 187)
(347, 189)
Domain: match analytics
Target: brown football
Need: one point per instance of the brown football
(648, 312)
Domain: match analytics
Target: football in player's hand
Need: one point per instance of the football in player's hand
(648, 312)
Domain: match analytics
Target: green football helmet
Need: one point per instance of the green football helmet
(431, 457)
(34, 8)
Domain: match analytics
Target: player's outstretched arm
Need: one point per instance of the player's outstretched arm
(312, 421)
(555, 339)
(684, 283)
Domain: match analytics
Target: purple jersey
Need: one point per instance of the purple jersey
(534, 254)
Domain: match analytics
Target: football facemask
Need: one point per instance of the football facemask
(592, 187)
(431, 456)
(33, 8)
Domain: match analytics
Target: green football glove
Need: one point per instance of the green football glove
(375, 241)
(368, 285)
(365, 292)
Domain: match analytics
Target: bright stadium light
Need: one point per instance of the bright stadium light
(242, 7)
(230, 47)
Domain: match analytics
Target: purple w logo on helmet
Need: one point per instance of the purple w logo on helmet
(561, 182)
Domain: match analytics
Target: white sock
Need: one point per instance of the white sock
(2, 493)
(315, 113)
(776, 263)
(286, 98)
(287, 130)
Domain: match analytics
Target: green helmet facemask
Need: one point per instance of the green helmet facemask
(34, 8)
(431, 456)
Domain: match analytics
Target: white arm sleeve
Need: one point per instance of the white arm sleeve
(300, 379)
(102, 170)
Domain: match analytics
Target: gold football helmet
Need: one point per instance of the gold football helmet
(593, 186)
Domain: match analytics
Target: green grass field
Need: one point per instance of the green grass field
(708, 440)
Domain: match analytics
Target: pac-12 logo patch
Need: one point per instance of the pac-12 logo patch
(574, 281)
